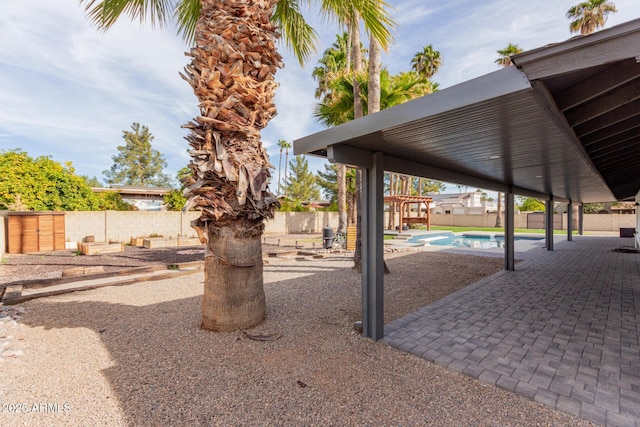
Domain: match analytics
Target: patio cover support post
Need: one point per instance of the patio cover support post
(570, 221)
(372, 249)
(548, 226)
(509, 231)
(581, 219)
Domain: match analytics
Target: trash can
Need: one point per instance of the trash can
(327, 237)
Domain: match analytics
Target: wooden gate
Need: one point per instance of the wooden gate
(35, 232)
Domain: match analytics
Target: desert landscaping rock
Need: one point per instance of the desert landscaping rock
(136, 356)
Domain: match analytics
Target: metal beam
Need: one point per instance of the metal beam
(581, 220)
(548, 226)
(570, 221)
(509, 231)
(347, 155)
(599, 84)
(615, 99)
(373, 248)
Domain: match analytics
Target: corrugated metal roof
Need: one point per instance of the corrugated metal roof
(564, 123)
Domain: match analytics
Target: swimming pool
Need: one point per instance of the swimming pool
(465, 240)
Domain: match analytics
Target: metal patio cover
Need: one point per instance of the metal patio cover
(564, 122)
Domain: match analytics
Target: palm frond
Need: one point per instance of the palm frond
(105, 13)
(298, 35)
(186, 15)
(374, 14)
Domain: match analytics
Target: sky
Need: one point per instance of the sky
(68, 91)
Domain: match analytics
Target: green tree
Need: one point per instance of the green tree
(327, 180)
(175, 200)
(92, 182)
(137, 163)
(42, 184)
(113, 201)
(531, 204)
(426, 62)
(589, 15)
(232, 69)
(593, 208)
(301, 184)
(282, 144)
(394, 90)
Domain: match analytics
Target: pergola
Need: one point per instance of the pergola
(402, 201)
(563, 125)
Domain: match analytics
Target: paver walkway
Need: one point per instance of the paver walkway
(563, 330)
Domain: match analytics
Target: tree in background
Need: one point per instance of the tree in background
(137, 163)
(589, 15)
(336, 61)
(531, 204)
(426, 62)
(42, 184)
(284, 145)
(175, 200)
(328, 182)
(504, 60)
(594, 208)
(93, 182)
(301, 184)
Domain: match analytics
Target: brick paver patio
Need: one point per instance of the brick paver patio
(563, 330)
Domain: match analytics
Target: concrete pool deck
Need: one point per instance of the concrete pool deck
(563, 329)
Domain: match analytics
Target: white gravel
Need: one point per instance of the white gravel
(135, 356)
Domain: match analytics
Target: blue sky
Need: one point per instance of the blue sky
(68, 91)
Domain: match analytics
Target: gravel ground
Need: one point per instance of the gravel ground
(135, 356)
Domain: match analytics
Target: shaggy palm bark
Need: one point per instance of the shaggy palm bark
(232, 74)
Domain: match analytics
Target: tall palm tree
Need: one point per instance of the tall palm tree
(335, 61)
(286, 145)
(232, 69)
(504, 60)
(589, 15)
(426, 62)
(281, 145)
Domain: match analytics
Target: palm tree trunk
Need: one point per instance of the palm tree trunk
(342, 198)
(499, 214)
(279, 170)
(229, 164)
(357, 113)
(286, 168)
(233, 292)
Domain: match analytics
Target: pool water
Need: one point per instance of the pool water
(464, 240)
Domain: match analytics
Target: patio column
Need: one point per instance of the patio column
(509, 231)
(372, 249)
(581, 219)
(548, 226)
(570, 221)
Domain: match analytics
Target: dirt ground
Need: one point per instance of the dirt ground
(47, 265)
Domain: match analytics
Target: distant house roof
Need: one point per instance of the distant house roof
(132, 190)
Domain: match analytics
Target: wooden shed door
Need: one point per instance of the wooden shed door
(29, 234)
(45, 233)
(58, 233)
